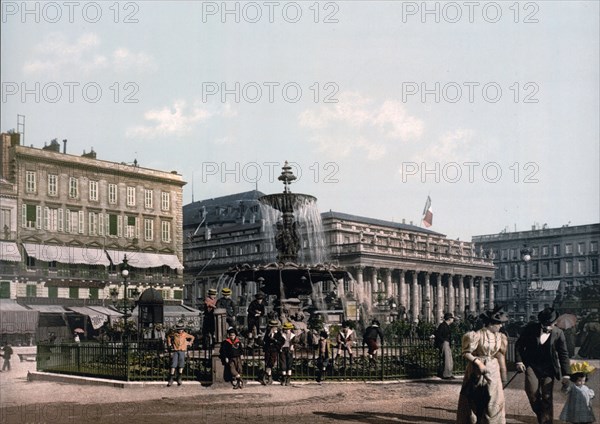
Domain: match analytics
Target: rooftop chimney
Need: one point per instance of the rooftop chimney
(65, 146)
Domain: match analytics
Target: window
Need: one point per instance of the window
(556, 250)
(503, 254)
(31, 290)
(148, 229)
(4, 289)
(53, 292)
(556, 268)
(535, 251)
(30, 181)
(5, 220)
(31, 216)
(148, 199)
(165, 228)
(257, 248)
(93, 293)
(93, 190)
(73, 188)
(73, 292)
(74, 222)
(112, 193)
(568, 249)
(544, 250)
(178, 294)
(568, 267)
(594, 247)
(93, 223)
(51, 219)
(594, 266)
(52, 185)
(581, 267)
(130, 196)
(114, 225)
(131, 229)
(165, 201)
(581, 248)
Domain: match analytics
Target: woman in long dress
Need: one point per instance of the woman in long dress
(481, 398)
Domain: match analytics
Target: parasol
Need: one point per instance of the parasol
(566, 321)
(79, 330)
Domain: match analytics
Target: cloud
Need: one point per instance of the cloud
(358, 124)
(57, 56)
(176, 120)
(453, 145)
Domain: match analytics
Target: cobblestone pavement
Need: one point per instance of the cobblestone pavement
(424, 401)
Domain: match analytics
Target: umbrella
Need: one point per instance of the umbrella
(566, 321)
(79, 330)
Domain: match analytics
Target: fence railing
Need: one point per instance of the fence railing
(146, 361)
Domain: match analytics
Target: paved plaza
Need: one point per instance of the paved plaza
(423, 401)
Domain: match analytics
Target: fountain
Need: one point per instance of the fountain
(286, 278)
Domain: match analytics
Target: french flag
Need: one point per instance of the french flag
(427, 213)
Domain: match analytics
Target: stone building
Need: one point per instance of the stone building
(561, 269)
(399, 268)
(68, 222)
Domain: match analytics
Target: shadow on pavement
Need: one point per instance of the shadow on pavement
(383, 418)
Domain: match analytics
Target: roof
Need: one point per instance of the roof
(380, 222)
(194, 213)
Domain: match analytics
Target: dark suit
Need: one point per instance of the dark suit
(545, 363)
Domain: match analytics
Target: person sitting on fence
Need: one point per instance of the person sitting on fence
(225, 302)
(287, 340)
(178, 341)
(231, 358)
(345, 341)
(324, 351)
(271, 348)
(208, 321)
(256, 310)
(372, 332)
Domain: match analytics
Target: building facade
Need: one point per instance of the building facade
(412, 272)
(68, 222)
(561, 266)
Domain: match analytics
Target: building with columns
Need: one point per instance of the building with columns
(561, 269)
(414, 272)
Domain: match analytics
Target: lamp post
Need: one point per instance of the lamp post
(526, 257)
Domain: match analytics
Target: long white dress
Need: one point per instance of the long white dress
(481, 398)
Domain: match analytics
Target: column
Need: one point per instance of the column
(414, 297)
(481, 294)
(373, 285)
(361, 293)
(427, 297)
(387, 275)
(471, 294)
(461, 296)
(451, 301)
(492, 296)
(439, 304)
(402, 290)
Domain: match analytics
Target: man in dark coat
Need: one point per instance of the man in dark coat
(208, 322)
(443, 343)
(541, 352)
(256, 310)
(226, 302)
(370, 336)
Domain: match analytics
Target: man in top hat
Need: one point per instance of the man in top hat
(443, 342)
(541, 352)
(256, 310)
(178, 341)
(225, 302)
(208, 322)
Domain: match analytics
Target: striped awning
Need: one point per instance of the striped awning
(97, 318)
(9, 251)
(145, 259)
(16, 319)
(67, 254)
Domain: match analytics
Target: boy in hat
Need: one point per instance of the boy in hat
(231, 357)
(178, 341)
(345, 341)
(256, 310)
(324, 348)
(287, 340)
(225, 302)
(208, 323)
(443, 343)
(578, 408)
(372, 332)
(271, 348)
(541, 352)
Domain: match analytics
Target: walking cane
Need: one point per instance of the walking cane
(511, 379)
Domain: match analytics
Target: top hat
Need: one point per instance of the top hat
(547, 316)
(212, 291)
(448, 315)
(226, 291)
(494, 316)
(288, 326)
(273, 323)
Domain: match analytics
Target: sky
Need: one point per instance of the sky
(489, 108)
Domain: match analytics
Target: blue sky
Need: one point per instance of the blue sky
(490, 109)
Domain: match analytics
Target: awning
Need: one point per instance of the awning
(48, 309)
(97, 318)
(113, 314)
(144, 259)
(9, 251)
(16, 319)
(67, 254)
(545, 285)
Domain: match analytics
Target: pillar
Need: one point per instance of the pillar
(471, 294)
(481, 294)
(387, 275)
(402, 290)
(439, 304)
(492, 295)
(414, 297)
(426, 297)
(461, 295)
(451, 301)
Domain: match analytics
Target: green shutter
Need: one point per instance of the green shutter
(53, 292)
(4, 289)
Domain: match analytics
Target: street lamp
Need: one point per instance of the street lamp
(526, 257)
(125, 306)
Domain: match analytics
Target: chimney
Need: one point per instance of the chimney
(65, 146)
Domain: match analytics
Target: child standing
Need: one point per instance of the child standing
(231, 357)
(578, 408)
(324, 355)
(286, 339)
